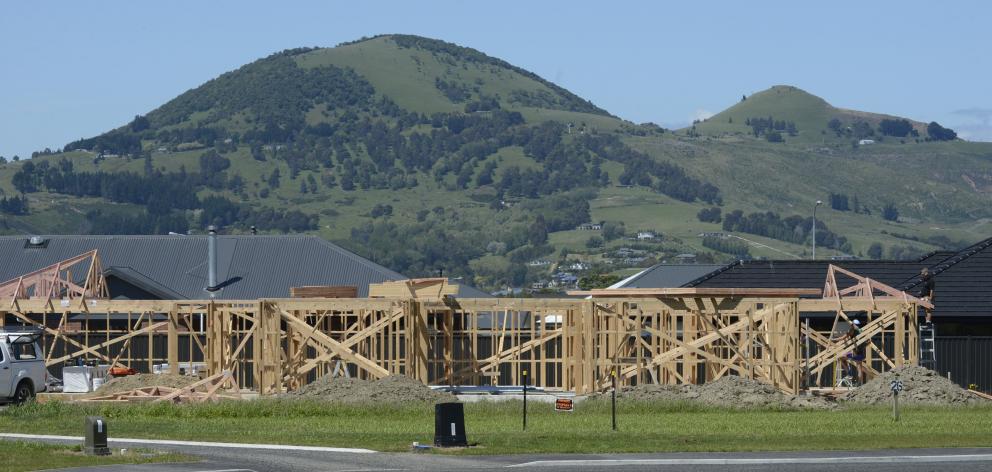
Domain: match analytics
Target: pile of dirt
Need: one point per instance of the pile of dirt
(395, 389)
(132, 382)
(921, 386)
(729, 392)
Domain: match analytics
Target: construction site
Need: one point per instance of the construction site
(419, 329)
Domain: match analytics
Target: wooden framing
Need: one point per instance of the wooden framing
(889, 326)
(668, 336)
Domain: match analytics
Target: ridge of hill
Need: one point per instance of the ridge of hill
(424, 155)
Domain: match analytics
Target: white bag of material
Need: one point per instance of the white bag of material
(77, 379)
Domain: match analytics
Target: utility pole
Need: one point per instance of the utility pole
(818, 203)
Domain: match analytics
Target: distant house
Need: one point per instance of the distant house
(539, 263)
(713, 235)
(577, 265)
(643, 235)
(685, 258)
(865, 142)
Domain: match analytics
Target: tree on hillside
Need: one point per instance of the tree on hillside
(139, 124)
(774, 137)
(836, 126)
(612, 230)
(537, 233)
(899, 128)
(940, 133)
(890, 213)
(862, 130)
(274, 179)
(710, 215)
(875, 251)
(838, 201)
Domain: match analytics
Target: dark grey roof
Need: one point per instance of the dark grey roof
(963, 279)
(169, 266)
(669, 275)
(962, 282)
(803, 274)
(468, 291)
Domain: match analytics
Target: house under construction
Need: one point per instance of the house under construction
(428, 330)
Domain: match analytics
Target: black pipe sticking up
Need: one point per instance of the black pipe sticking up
(212, 259)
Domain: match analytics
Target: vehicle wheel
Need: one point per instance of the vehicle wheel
(24, 393)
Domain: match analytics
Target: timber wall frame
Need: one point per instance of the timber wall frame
(666, 336)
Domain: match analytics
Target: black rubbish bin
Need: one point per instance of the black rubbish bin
(95, 440)
(449, 425)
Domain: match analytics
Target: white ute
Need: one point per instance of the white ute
(22, 367)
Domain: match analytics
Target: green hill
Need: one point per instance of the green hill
(810, 114)
(424, 155)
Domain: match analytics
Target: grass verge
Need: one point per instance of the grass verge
(496, 428)
(18, 456)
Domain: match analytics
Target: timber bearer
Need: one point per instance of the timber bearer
(927, 292)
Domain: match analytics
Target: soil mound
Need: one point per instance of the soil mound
(921, 386)
(727, 392)
(392, 389)
(132, 382)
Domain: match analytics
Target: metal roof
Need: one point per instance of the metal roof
(668, 275)
(248, 266)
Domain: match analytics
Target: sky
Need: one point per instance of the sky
(72, 69)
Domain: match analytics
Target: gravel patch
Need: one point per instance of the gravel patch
(728, 392)
(921, 386)
(393, 389)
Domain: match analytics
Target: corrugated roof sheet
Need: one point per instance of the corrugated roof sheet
(669, 275)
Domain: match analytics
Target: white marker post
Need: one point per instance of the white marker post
(896, 387)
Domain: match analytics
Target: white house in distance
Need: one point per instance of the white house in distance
(643, 235)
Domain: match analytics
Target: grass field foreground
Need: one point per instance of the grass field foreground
(18, 456)
(496, 428)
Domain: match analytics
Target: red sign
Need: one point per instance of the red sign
(564, 404)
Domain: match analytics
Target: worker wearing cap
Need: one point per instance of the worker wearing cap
(857, 355)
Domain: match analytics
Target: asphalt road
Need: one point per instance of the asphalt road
(226, 459)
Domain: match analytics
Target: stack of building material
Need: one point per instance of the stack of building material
(434, 288)
(324, 291)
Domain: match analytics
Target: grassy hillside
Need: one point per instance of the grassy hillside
(811, 115)
(423, 155)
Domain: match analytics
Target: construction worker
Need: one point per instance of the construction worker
(927, 292)
(856, 356)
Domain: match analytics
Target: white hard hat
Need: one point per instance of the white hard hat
(857, 322)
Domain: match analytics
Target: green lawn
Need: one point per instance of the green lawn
(17, 456)
(496, 428)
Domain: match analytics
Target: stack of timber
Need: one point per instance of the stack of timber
(435, 288)
(324, 291)
(208, 389)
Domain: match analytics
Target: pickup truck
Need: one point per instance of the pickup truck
(22, 366)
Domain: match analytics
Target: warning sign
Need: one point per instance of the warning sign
(564, 404)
